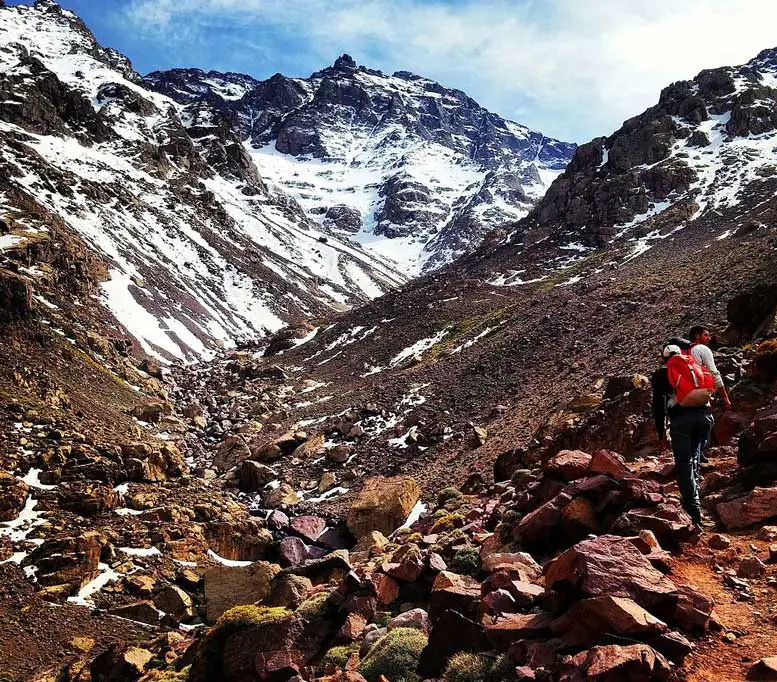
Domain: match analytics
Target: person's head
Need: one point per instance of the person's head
(700, 334)
(670, 350)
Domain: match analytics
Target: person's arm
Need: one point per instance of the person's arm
(659, 404)
(708, 360)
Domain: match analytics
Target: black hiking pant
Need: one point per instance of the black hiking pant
(690, 429)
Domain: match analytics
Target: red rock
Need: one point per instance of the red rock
(13, 496)
(451, 633)
(569, 465)
(497, 603)
(522, 562)
(518, 626)
(613, 663)
(609, 565)
(756, 507)
(386, 588)
(383, 504)
(417, 619)
(729, 425)
(454, 591)
(764, 670)
(588, 619)
(309, 527)
(718, 541)
(610, 463)
(353, 627)
(693, 609)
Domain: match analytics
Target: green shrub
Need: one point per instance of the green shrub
(501, 669)
(765, 360)
(447, 522)
(313, 608)
(339, 655)
(211, 649)
(395, 655)
(448, 494)
(466, 667)
(466, 562)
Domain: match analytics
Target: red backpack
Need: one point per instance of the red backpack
(692, 383)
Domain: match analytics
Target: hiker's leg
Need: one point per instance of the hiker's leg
(685, 455)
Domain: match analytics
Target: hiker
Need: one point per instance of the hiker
(700, 340)
(681, 391)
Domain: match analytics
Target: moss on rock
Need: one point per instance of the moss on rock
(466, 667)
(395, 656)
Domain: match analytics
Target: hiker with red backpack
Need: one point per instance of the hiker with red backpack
(682, 389)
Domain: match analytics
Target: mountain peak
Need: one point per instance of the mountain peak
(345, 63)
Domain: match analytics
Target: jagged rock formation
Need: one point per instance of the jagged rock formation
(704, 151)
(426, 169)
(194, 250)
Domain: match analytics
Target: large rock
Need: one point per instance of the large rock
(254, 476)
(383, 504)
(764, 670)
(609, 566)
(588, 619)
(569, 464)
(13, 496)
(453, 591)
(518, 626)
(232, 451)
(670, 523)
(69, 560)
(228, 586)
(756, 507)
(613, 663)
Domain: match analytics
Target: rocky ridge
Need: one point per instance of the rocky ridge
(188, 248)
(406, 167)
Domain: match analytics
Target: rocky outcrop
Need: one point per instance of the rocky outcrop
(383, 505)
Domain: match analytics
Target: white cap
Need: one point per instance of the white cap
(671, 350)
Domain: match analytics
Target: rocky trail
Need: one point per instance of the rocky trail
(195, 540)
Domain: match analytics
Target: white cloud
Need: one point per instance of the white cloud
(571, 69)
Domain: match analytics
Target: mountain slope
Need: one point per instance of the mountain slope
(408, 168)
(197, 251)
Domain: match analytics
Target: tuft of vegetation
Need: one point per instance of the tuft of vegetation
(395, 656)
(313, 608)
(466, 562)
(447, 522)
(765, 360)
(501, 669)
(169, 675)
(339, 655)
(466, 667)
(448, 494)
(238, 618)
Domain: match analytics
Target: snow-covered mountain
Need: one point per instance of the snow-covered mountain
(403, 166)
(704, 157)
(193, 249)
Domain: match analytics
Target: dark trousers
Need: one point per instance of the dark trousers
(690, 429)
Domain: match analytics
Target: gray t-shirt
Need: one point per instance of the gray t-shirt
(703, 355)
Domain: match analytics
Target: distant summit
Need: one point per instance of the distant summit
(421, 171)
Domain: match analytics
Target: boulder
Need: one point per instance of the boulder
(308, 527)
(451, 633)
(228, 586)
(175, 602)
(610, 463)
(13, 496)
(588, 619)
(609, 566)
(569, 465)
(521, 563)
(142, 611)
(614, 663)
(383, 504)
(764, 670)
(518, 626)
(254, 476)
(120, 664)
(756, 507)
(453, 591)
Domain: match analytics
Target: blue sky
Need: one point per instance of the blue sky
(570, 69)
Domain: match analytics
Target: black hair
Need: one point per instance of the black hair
(696, 331)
